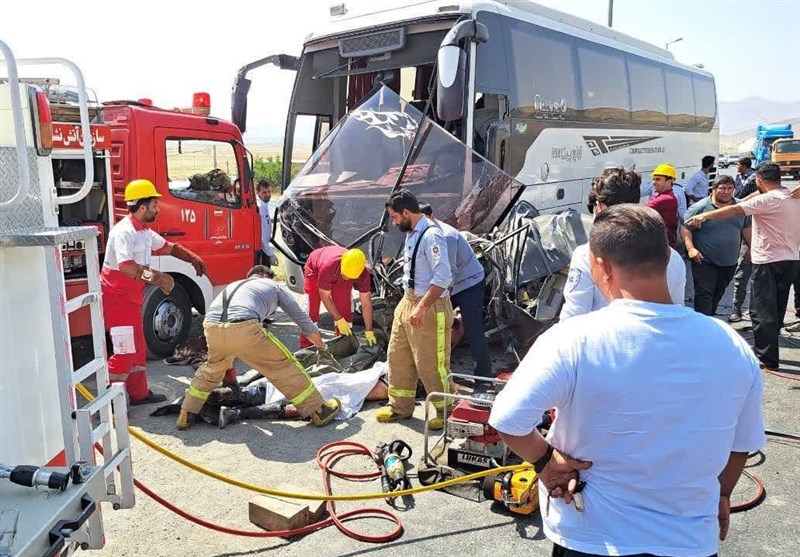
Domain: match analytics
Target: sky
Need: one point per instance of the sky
(166, 50)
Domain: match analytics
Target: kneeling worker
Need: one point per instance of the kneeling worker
(233, 329)
(329, 277)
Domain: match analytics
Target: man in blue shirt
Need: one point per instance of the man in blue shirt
(714, 248)
(697, 186)
(467, 292)
(419, 345)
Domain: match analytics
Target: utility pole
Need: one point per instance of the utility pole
(610, 12)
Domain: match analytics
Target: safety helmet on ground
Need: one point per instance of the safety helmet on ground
(140, 189)
(666, 170)
(353, 263)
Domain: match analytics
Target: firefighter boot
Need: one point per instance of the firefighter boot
(386, 415)
(183, 419)
(326, 412)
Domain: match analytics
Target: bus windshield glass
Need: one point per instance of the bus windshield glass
(339, 195)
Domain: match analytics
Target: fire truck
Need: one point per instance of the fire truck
(52, 479)
(176, 149)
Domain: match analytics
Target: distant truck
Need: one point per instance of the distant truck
(766, 135)
(786, 154)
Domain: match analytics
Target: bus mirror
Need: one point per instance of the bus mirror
(239, 102)
(450, 82)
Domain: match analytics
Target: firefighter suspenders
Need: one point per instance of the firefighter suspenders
(226, 300)
(413, 269)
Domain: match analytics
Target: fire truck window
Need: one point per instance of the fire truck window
(203, 171)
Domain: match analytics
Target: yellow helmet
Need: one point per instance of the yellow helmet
(140, 189)
(353, 263)
(666, 170)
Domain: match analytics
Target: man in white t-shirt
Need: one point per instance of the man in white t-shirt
(614, 186)
(661, 425)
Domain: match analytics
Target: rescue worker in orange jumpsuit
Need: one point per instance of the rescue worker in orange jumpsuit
(329, 277)
(126, 272)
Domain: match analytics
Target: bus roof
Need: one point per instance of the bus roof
(356, 15)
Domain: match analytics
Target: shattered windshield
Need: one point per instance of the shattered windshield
(339, 195)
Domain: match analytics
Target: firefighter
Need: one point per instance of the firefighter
(126, 271)
(234, 329)
(329, 277)
(419, 346)
(467, 292)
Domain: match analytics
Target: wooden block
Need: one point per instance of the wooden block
(276, 513)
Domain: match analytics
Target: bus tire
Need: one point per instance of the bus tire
(166, 320)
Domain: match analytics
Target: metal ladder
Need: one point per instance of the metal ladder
(80, 435)
(116, 447)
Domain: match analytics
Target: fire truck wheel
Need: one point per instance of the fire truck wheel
(167, 320)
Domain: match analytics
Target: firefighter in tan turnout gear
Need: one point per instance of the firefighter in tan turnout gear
(233, 329)
(419, 346)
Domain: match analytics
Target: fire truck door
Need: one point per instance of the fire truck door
(202, 206)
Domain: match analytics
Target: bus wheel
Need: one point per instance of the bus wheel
(167, 320)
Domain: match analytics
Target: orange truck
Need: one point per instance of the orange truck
(786, 154)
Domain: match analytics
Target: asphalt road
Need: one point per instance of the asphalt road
(282, 455)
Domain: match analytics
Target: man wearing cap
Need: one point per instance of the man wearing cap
(664, 201)
(419, 346)
(233, 327)
(126, 271)
(329, 277)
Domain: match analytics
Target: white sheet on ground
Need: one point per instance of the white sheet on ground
(350, 388)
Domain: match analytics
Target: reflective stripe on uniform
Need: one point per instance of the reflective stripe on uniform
(308, 391)
(197, 393)
(438, 403)
(402, 393)
(441, 338)
(118, 377)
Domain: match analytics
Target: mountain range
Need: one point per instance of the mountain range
(740, 116)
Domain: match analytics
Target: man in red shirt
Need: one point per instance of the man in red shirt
(664, 201)
(330, 275)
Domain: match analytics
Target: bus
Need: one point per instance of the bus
(548, 98)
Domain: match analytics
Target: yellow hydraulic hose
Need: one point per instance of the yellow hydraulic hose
(306, 496)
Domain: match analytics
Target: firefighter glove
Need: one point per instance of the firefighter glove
(370, 336)
(184, 254)
(344, 327)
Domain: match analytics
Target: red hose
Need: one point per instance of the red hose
(754, 501)
(325, 460)
(781, 375)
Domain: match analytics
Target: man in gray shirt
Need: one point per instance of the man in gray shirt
(233, 329)
(714, 248)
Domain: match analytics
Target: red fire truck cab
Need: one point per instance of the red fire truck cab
(200, 166)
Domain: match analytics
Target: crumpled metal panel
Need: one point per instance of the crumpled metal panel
(29, 215)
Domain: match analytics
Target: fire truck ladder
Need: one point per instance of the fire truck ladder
(81, 430)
